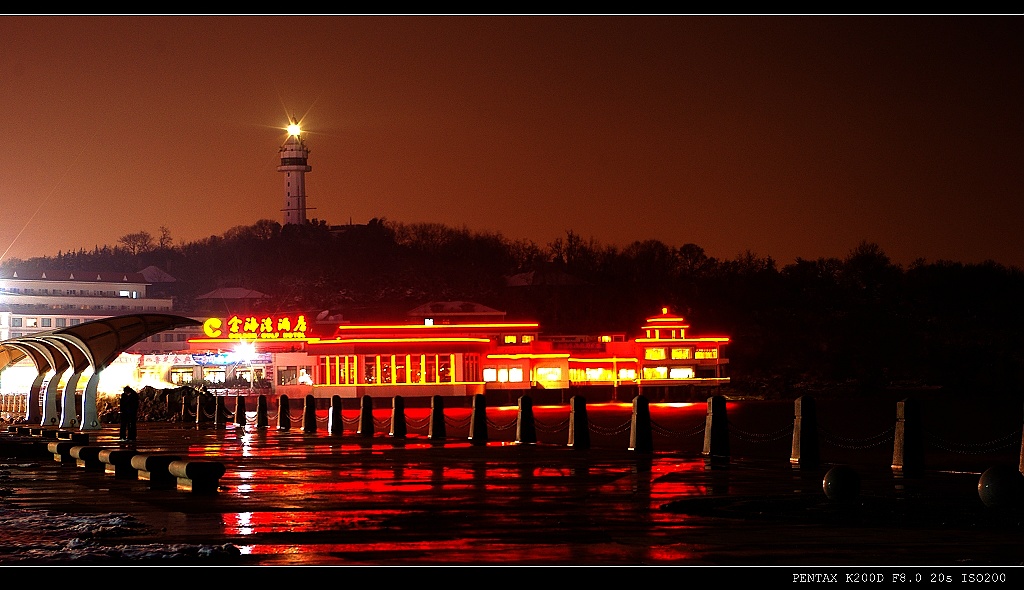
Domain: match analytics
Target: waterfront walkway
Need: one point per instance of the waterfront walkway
(293, 497)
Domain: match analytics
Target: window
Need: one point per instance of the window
(16, 323)
(548, 373)
(45, 322)
(31, 322)
(75, 321)
(168, 337)
(654, 354)
(655, 372)
(490, 374)
(510, 339)
(62, 323)
(180, 337)
(528, 338)
(680, 373)
(515, 374)
(707, 353)
(682, 353)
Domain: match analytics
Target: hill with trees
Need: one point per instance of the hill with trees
(856, 324)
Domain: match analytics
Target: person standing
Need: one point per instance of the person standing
(129, 410)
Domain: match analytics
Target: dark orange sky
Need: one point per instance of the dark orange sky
(790, 136)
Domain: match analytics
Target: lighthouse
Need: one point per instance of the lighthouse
(294, 154)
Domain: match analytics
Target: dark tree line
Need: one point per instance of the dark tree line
(861, 323)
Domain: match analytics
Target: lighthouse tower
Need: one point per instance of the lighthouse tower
(293, 163)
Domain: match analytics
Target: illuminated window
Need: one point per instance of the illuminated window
(548, 373)
(707, 353)
(606, 338)
(490, 374)
(503, 375)
(444, 369)
(682, 353)
(654, 354)
(510, 339)
(515, 374)
(627, 374)
(215, 375)
(680, 373)
(179, 376)
(598, 374)
(527, 339)
(30, 322)
(655, 372)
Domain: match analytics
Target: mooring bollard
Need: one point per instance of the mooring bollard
(641, 438)
(240, 417)
(365, 417)
(184, 407)
(716, 430)
(309, 414)
(579, 426)
(526, 431)
(908, 448)
(220, 412)
(199, 408)
(478, 421)
(335, 425)
(805, 433)
(398, 429)
(262, 421)
(1020, 466)
(284, 413)
(436, 431)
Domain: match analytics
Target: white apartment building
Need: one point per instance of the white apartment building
(39, 301)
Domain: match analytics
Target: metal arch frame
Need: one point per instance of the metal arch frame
(43, 361)
(90, 344)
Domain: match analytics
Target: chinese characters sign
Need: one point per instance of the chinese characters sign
(257, 327)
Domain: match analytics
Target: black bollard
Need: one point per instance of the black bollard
(436, 431)
(309, 415)
(526, 430)
(908, 448)
(716, 430)
(478, 421)
(184, 407)
(261, 412)
(641, 438)
(240, 417)
(335, 424)
(805, 433)
(1020, 466)
(579, 425)
(365, 417)
(284, 413)
(220, 412)
(398, 417)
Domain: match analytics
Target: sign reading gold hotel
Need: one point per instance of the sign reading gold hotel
(256, 327)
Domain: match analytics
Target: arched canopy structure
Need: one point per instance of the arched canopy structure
(96, 343)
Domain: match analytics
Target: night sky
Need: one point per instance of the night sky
(788, 136)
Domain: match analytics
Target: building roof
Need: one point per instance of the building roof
(74, 275)
(154, 274)
(453, 308)
(233, 293)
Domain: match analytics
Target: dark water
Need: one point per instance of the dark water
(292, 497)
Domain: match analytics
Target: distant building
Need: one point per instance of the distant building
(40, 301)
